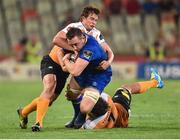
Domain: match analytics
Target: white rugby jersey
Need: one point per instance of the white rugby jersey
(94, 32)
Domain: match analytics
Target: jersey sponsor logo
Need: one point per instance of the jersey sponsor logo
(87, 54)
(50, 67)
(116, 96)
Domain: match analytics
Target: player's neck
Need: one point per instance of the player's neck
(88, 30)
(85, 38)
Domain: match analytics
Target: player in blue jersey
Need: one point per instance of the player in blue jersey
(87, 78)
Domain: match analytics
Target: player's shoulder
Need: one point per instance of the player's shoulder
(91, 41)
(76, 24)
(95, 30)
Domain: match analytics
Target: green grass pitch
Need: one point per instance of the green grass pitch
(155, 114)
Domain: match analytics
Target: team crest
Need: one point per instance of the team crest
(87, 54)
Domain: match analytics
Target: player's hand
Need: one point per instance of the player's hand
(103, 65)
(67, 56)
(64, 68)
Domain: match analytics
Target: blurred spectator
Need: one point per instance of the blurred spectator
(150, 7)
(167, 22)
(168, 28)
(150, 19)
(19, 50)
(115, 7)
(28, 14)
(116, 22)
(132, 7)
(156, 51)
(166, 5)
(177, 13)
(34, 51)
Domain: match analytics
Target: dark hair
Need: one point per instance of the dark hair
(89, 10)
(72, 32)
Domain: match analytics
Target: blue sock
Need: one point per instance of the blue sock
(80, 120)
(76, 105)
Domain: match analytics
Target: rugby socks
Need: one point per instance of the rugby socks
(80, 120)
(76, 105)
(42, 108)
(144, 86)
(30, 107)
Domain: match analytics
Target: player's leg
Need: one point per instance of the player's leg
(53, 82)
(103, 115)
(49, 84)
(99, 116)
(24, 112)
(94, 87)
(90, 98)
(141, 87)
(73, 94)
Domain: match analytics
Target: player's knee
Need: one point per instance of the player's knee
(72, 94)
(90, 98)
(84, 109)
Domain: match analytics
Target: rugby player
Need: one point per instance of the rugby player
(54, 74)
(87, 23)
(114, 112)
(88, 78)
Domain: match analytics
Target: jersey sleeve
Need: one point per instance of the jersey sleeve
(100, 38)
(67, 27)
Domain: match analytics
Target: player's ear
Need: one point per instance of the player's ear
(82, 18)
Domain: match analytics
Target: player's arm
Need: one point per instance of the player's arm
(106, 63)
(109, 52)
(60, 41)
(76, 68)
(60, 55)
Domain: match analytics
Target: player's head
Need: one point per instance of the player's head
(123, 97)
(76, 38)
(89, 17)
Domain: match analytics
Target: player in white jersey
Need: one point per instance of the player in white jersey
(94, 32)
(88, 20)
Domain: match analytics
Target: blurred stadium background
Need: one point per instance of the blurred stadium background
(141, 33)
(138, 31)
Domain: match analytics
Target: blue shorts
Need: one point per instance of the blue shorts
(98, 81)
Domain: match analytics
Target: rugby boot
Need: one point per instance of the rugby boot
(80, 120)
(155, 75)
(70, 124)
(23, 121)
(36, 127)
